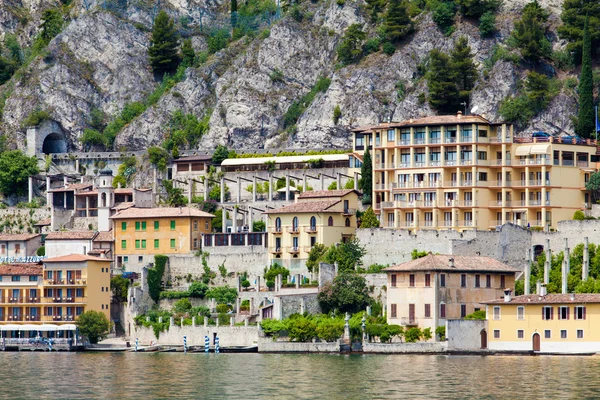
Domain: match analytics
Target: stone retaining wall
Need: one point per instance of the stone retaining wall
(228, 335)
(267, 345)
(425, 347)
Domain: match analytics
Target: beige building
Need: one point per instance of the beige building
(323, 216)
(464, 172)
(430, 290)
(16, 246)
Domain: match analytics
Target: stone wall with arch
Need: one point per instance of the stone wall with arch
(46, 138)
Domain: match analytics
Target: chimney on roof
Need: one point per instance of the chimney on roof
(451, 262)
(572, 296)
(411, 120)
(459, 115)
(507, 293)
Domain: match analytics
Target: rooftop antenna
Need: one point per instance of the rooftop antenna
(464, 103)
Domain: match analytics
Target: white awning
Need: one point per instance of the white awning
(67, 327)
(11, 327)
(47, 328)
(540, 148)
(523, 151)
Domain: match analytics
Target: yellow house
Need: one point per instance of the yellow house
(322, 216)
(55, 292)
(465, 172)
(141, 233)
(554, 323)
(427, 291)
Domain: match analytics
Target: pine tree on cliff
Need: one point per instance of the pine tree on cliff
(443, 92)
(465, 72)
(164, 45)
(397, 21)
(234, 13)
(585, 118)
(366, 172)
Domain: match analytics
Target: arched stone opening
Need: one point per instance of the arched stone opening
(54, 143)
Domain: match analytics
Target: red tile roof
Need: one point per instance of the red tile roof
(311, 194)
(20, 237)
(440, 262)
(116, 191)
(124, 205)
(75, 258)
(554, 298)
(20, 269)
(161, 212)
(43, 222)
(305, 207)
(201, 157)
(104, 237)
(72, 187)
(433, 120)
(71, 235)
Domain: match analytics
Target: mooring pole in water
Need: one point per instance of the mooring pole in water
(185, 344)
(206, 344)
(136, 344)
(217, 345)
(49, 344)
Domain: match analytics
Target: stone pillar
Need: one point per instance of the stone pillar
(193, 322)
(254, 189)
(568, 256)
(585, 268)
(250, 219)
(304, 182)
(190, 192)
(238, 303)
(258, 284)
(222, 190)
(279, 282)
(346, 337)
(251, 306)
(231, 321)
(302, 305)
(171, 321)
(30, 188)
(297, 281)
(527, 283)
(369, 311)
(287, 186)
(270, 187)
(564, 277)
(538, 288)
(224, 221)
(87, 206)
(205, 188)
(181, 322)
(206, 322)
(48, 194)
(217, 322)
(339, 181)
(234, 219)
(547, 263)
(239, 190)
(356, 181)
(160, 320)
(322, 182)
(246, 322)
(65, 181)
(213, 305)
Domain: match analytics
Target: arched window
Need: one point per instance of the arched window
(278, 224)
(295, 223)
(330, 221)
(347, 222)
(103, 200)
(313, 223)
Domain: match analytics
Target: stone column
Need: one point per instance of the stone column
(251, 219)
(527, 282)
(346, 337)
(287, 186)
(193, 322)
(234, 219)
(270, 187)
(190, 193)
(304, 182)
(302, 305)
(297, 281)
(205, 188)
(206, 322)
(239, 190)
(585, 268)
(48, 194)
(339, 181)
(30, 188)
(238, 303)
(251, 306)
(323, 182)
(224, 221)
(87, 206)
(356, 181)
(568, 256)
(65, 181)
(258, 284)
(231, 321)
(564, 277)
(279, 282)
(547, 263)
(222, 190)
(171, 321)
(254, 189)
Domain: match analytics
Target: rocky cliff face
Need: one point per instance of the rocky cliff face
(100, 61)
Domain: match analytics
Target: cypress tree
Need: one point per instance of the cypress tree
(397, 21)
(463, 67)
(234, 8)
(164, 45)
(574, 14)
(366, 172)
(585, 118)
(187, 52)
(441, 83)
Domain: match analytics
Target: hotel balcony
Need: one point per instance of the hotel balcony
(469, 223)
(275, 250)
(499, 203)
(58, 318)
(19, 300)
(465, 203)
(446, 223)
(407, 224)
(293, 250)
(408, 321)
(65, 282)
(73, 299)
(10, 318)
(500, 163)
(293, 229)
(33, 318)
(310, 229)
(349, 211)
(275, 230)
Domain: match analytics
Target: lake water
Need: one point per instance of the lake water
(286, 376)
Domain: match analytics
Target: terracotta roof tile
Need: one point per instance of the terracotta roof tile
(161, 212)
(20, 269)
(18, 237)
(311, 194)
(193, 158)
(75, 258)
(104, 237)
(440, 262)
(117, 191)
(305, 207)
(72, 187)
(554, 298)
(71, 235)
(43, 222)
(124, 205)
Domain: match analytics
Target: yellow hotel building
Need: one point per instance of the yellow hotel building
(322, 216)
(554, 323)
(55, 292)
(141, 233)
(464, 172)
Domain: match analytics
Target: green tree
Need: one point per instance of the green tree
(218, 40)
(487, 24)
(158, 157)
(480, 314)
(259, 226)
(337, 114)
(15, 169)
(222, 294)
(397, 23)
(574, 15)
(443, 15)
(301, 328)
(369, 219)
(234, 12)
(350, 48)
(537, 90)
(188, 54)
(347, 293)
(441, 83)
(586, 122)
(476, 8)
(221, 153)
(366, 173)
(315, 256)
(348, 255)
(52, 24)
(529, 33)
(175, 197)
(119, 286)
(578, 215)
(593, 186)
(375, 7)
(164, 45)
(94, 325)
(182, 306)
(463, 68)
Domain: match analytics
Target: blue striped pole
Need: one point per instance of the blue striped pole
(185, 344)
(49, 344)
(217, 345)
(136, 344)
(206, 344)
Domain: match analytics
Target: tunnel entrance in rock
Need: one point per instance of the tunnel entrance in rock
(54, 143)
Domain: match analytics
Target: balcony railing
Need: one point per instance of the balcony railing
(275, 250)
(62, 282)
(349, 211)
(293, 229)
(275, 230)
(446, 223)
(15, 318)
(310, 229)
(582, 164)
(408, 321)
(293, 250)
(22, 300)
(435, 140)
(449, 139)
(466, 222)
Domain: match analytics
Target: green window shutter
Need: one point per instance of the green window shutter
(156, 243)
(156, 225)
(123, 244)
(143, 225)
(137, 244)
(123, 226)
(172, 243)
(172, 225)
(137, 225)
(143, 243)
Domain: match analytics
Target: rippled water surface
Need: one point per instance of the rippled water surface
(285, 376)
